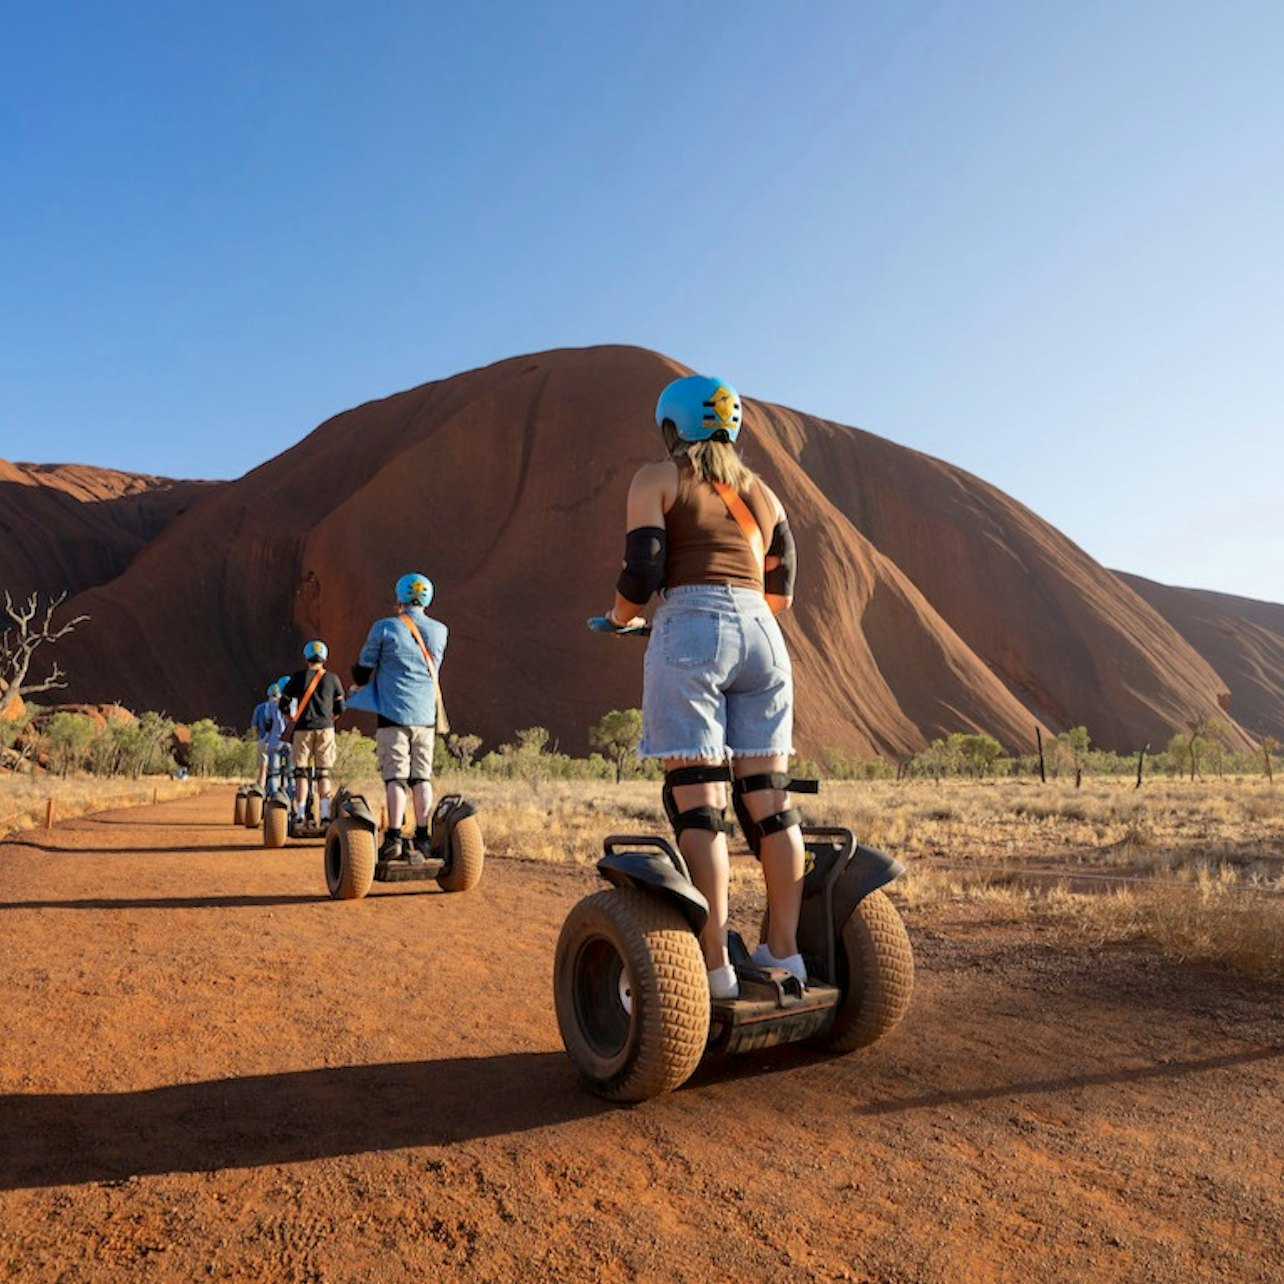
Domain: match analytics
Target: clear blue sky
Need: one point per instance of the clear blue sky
(1040, 240)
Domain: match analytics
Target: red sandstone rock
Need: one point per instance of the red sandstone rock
(928, 601)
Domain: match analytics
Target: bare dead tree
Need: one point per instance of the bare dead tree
(30, 627)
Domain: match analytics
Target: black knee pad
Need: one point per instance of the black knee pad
(756, 830)
(417, 780)
(323, 773)
(398, 780)
(713, 819)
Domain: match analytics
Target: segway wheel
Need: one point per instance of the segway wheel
(276, 826)
(349, 859)
(879, 963)
(467, 854)
(253, 811)
(238, 813)
(632, 994)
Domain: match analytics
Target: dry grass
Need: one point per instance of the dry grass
(1195, 870)
(23, 800)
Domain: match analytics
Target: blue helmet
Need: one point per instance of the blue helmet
(699, 408)
(414, 589)
(282, 682)
(274, 691)
(316, 651)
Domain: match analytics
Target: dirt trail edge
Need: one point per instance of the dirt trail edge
(209, 1070)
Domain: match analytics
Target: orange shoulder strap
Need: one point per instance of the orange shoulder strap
(307, 695)
(418, 637)
(443, 722)
(752, 532)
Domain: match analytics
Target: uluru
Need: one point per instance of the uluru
(928, 601)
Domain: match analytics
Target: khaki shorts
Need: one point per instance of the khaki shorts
(309, 747)
(404, 753)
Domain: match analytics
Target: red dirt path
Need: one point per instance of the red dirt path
(208, 1070)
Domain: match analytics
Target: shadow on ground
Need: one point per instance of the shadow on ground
(69, 1139)
(165, 902)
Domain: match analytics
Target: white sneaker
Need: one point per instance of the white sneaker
(793, 964)
(723, 983)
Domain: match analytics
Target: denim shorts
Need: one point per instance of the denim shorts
(717, 677)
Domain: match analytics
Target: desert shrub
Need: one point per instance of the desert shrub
(212, 753)
(354, 756)
(617, 734)
(237, 757)
(531, 759)
(68, 737)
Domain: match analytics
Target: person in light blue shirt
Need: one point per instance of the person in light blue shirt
(268, 724)
(396, 677)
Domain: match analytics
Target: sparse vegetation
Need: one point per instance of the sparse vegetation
(1196, 870)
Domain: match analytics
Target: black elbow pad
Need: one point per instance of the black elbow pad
(361, 674)
(780, 581)
(643, 573)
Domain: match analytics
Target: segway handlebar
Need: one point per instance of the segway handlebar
(610, 844)
(602, 624)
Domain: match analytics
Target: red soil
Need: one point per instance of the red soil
(210, 1070)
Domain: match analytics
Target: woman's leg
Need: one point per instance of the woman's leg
(706, 854)
(781, 854)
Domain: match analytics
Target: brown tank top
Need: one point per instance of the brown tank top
(705, 546)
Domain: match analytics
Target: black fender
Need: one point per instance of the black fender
(448, 812)
(278, 798)
(355, 807)
(866, 871)
(840, 873)
(655, 873)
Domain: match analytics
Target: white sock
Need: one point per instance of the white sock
(792, 964)
(325, 809)
(723, 983)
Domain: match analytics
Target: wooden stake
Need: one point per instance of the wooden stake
(49, 814)
(155, 794)
(1038, 735)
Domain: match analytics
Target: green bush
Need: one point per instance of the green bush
(354, 757)
(68, 737)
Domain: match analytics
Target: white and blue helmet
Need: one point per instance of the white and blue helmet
(700, 408)
(316, 651)
(414, 589)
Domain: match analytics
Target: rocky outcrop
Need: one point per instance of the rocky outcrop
(928, 601)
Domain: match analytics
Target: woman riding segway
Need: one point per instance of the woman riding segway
(713, 539)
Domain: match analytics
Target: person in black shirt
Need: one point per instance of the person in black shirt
(317, 699)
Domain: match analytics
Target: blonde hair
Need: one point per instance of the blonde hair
(717, 461)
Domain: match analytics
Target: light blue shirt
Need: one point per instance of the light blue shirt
(401, 689)
(268, 723)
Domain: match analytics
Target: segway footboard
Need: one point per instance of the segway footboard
(772, 1008)
(402, 871)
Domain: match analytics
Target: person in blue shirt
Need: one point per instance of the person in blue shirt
(396, 676)
(268, 723)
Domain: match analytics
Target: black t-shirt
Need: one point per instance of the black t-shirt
(326, 703)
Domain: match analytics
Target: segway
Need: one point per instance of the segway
(238, 810)
(252, 813)
(631, 989)
(457, 852)
(279, 819)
